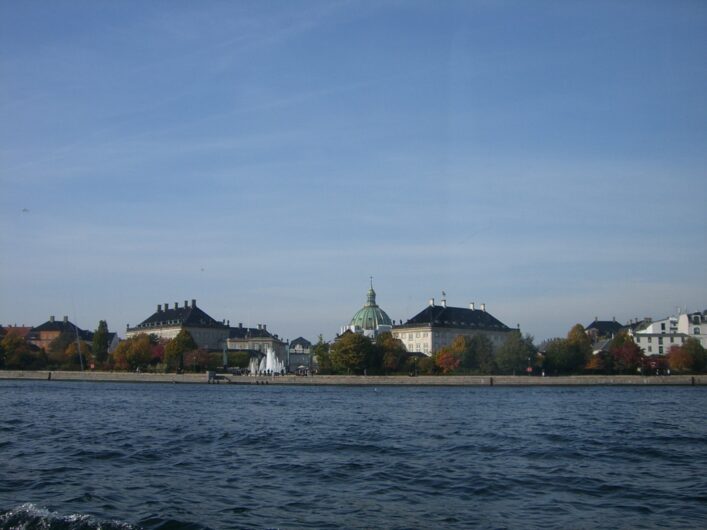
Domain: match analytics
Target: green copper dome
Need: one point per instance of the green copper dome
(370, 316)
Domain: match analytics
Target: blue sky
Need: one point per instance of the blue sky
(545, 158)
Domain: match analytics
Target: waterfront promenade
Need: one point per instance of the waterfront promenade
(399, 380)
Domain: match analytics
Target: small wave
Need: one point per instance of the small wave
(28, 516)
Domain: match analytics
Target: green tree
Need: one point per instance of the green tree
(100, 342)
(176, 348)
(570, 355)
(391, 351)
(516, 353)
(77, 355)
(322, 356)
(695, 348)
(238, 359)
(19, 354)
(57, 348)
(351, 352)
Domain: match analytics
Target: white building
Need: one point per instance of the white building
(694, 325)
(437, 326)
(656, 337)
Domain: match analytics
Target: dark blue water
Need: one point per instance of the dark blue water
(92, 455)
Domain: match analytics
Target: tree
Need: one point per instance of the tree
(176, 348)
(57, 348)
(476, 354)
(239, 359)
(625, 353)
(100, 342)
(568, 355)
(200, 360)
(391, 351)
(690, 357)
(19, 354)
(516, 353)
(76, 356)
(699, 356)
(322, 357)
(448, 360)
(133, 353)
(352, 352)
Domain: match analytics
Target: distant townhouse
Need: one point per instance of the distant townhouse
(694, 325)
(437, 326)
(257, 339)
(43, 335)
(300, 354)
(656, 337)
(168, 321)
(603, 329)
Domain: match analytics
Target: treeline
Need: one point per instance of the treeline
(573, 355)
(140, 353)
(353, 353)
(356, 354)
(65, 352)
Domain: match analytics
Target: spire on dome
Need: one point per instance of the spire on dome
(371, 298)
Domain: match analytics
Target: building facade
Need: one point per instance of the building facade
(437, 326)
(167, 322)
(257, 339)
(656, 337)
(300, 355)
(694, 325)
(43, 335)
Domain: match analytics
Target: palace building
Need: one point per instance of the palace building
(167, 322)
(438, 325)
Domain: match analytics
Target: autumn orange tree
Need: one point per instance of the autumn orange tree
(132, 353)
(448, 360)
(690, 357)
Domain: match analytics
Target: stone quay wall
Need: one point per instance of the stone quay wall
(401, 380)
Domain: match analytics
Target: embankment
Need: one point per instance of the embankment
(455, 380)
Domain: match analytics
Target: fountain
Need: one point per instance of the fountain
(267, 364)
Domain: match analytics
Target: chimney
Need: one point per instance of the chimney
(66, 319)
(265, 327)
(176, 305)
(432, 302)
(260, 326)
(471, 306)
(159, 308)
(186, 304)
(596, 318)
(483, 307)
(193, 302)
(228, 322)
(51, 318)
(444, 303)
(166, 306)
(240, 325)
(613, 318)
